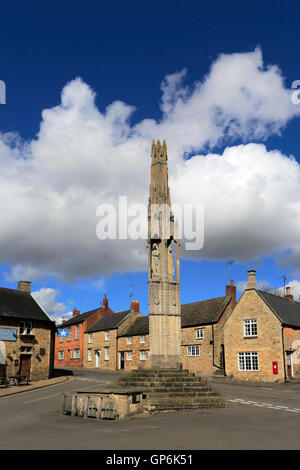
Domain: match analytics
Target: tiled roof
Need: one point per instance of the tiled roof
(287, 311)
(109, 322)
(203, 312)
(79, 318)
(139, 327)
(196, 313)
(18, 304)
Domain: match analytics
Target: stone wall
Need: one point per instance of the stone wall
(100, 343)
(268, 343)
(136, 347)
(38, 346)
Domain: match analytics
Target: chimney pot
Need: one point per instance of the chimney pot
(24, 286)
(231, 292)
(251, 279)
(288, 295)
(135, 306)
(76, 312)
(105, 301)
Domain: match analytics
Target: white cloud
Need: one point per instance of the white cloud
(51, 187)
(47, 299)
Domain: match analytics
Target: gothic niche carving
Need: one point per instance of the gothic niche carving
(155, 260)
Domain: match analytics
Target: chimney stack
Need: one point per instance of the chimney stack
(105, 302)
(251, 279)
(288, 295)
(231, 292)
(135, 306)
(76, 312)
(24, 286)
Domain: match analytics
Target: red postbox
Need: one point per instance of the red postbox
(275, 367)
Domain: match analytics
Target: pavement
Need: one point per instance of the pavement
(13, 389)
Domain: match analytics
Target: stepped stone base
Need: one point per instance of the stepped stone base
(170, 389)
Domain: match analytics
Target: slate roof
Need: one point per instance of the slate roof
(287, 311)
(203, 312)
(18, 304)
(109, 322)
(79, 318)
(196, 313)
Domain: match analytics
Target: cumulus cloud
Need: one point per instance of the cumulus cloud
(47, 299)
(50, 188)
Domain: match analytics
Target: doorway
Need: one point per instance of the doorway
(25, 364)
(289, 364)
(97, 353)
(121, 360)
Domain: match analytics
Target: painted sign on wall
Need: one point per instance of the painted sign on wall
(8, 334)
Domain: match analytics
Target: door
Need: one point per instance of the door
(97, 353)
(289, 364)
(25, 363)
(121, 359)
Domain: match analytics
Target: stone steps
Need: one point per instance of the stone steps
(170, 389)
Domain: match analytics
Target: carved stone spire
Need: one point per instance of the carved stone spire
(164, 289)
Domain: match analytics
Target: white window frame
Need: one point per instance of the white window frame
(250, 328)
(107, 335)
(129, 339)
(129, 355)
(25, 328)
(76, 332)
(143, 339)
(106, 354)
(193, 350)
(76, 353)
(248, 361)
(61, 355)
(90, 354)
(90, 338)
(143, 355)
(199, 333)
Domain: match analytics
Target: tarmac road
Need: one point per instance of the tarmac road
(259, 418)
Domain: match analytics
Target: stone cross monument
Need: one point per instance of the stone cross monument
(164, 283)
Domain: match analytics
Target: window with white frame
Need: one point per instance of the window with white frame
(107, 335)
(25, 328)
(76, 353)
(248, 360)
(193, 350)
(60, 355)
(142, 339)
(90, 354)
(250, 328)
(106, 354)
(199, 333)
(61, 339)
(129, 340)
(143, 355)
(90, 338)
(129, 356)
(76, 332)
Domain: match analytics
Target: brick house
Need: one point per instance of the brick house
(262, 336)
(100, 340)
(133, 345)
(202, 339)
(69, 351)
(26, 335)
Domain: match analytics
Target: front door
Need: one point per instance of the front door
(121, 366)
(97, 353)
(289, 364)
(25, 363)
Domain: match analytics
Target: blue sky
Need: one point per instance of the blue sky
(123, 52)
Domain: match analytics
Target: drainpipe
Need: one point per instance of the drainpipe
(283, 352)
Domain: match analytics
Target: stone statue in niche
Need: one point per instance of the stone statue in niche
(155, 260)
(171, 271)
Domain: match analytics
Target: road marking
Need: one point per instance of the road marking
(265, 405)
(43, 398)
